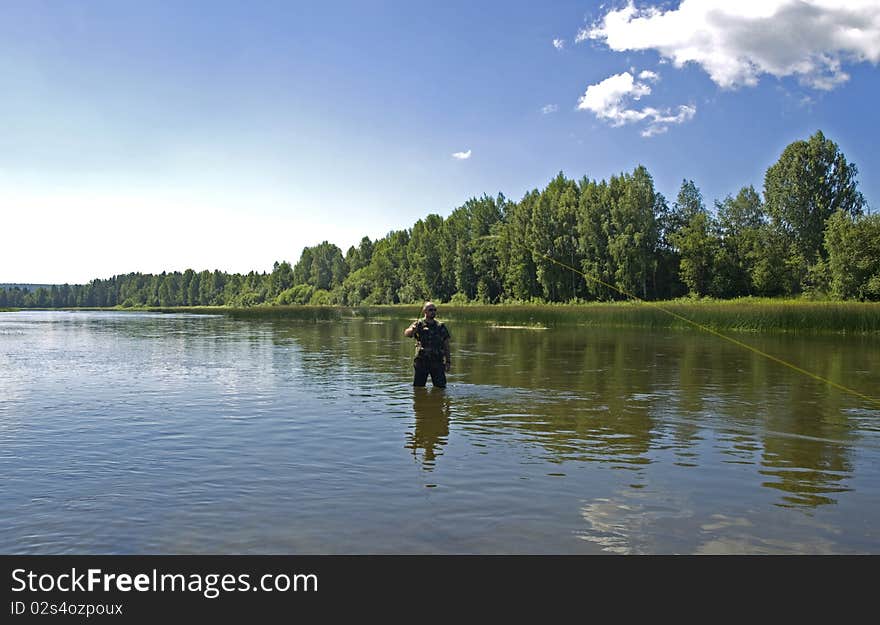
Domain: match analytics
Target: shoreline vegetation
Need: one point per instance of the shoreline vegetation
(741, 315)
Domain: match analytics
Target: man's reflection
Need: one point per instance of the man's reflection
(431, 407)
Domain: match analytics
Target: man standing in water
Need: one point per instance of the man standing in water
(432, 349)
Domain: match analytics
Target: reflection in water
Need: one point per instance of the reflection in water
(431, 429)
(620, 396)
(806, 477)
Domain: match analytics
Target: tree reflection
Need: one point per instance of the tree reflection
(625, 396)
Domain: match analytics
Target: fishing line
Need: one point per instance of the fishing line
(752, 349)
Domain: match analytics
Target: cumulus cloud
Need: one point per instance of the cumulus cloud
(606, 98)
(611, 100)
(559, 43)
(462, 156)
(737, 42)
(549, 108)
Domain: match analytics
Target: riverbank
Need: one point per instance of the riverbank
(741, 315)
(747, 315)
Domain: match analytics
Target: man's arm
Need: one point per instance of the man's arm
(447, 355)
(409, 331)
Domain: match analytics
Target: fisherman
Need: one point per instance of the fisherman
(432, 348)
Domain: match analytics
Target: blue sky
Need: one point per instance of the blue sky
(151, 136)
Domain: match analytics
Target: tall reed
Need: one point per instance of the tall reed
(748, 314)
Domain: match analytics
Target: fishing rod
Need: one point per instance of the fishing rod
(712, 331)
(755, 350)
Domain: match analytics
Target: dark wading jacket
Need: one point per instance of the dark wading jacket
(431, 340)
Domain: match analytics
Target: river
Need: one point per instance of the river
(171, 433)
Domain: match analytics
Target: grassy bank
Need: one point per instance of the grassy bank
(758, 315)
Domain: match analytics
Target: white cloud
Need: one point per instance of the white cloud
(737, 42)
(605, 98)
(649, 75)
(462, 156)
(652, 131)
(660, 120)
(559, 44)
(610, 99)
(549, 108)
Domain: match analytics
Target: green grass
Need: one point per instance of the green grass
(740, 315)
(747, 314)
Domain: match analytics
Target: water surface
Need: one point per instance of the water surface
(150, 433)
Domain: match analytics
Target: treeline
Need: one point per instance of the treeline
(808, 234)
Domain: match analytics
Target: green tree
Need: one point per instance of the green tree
(666, 283)
(359, 287)
(594, 229)
(423, 255)
(302, 271)
(740, 220)
(810, 182)
(299, 294)
(517, 265)
(697, 247)
(360, 256)
(387, 267)
(281, 278)
(186, 281)
(634, 233)
(553, 237)
(165, 292)
(775, 269)
(468, 251)
(328, 266)
(692, 238)
(853, 246)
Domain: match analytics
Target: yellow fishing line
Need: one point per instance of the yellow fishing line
(755, 350)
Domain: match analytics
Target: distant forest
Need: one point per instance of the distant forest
(808, 235)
